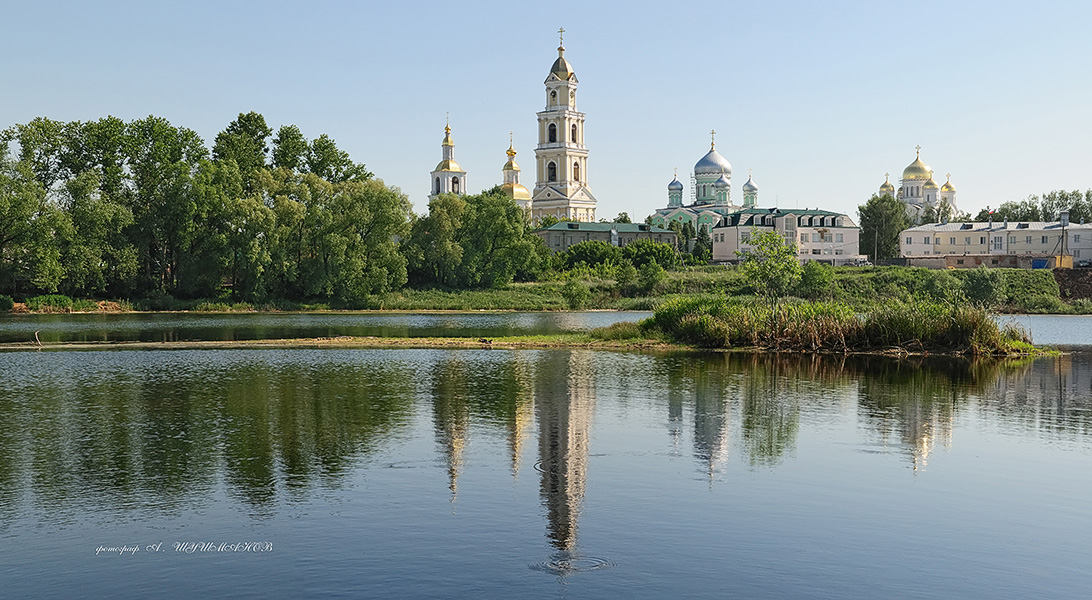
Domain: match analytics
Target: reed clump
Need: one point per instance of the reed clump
(915, 326)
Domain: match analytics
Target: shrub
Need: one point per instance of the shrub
(625, 330)
(1042, 303)
(1024, 287)
(816, 281)
(50, 303)
(650, 275)
(625, 278)
(984, 287)
(6, 303)
(576, 294)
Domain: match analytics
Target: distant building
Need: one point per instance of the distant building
(448, 177)
(711, 194)
(559, 236)
(817, 234)
(1004, 238)
(918, 189)
(511, 186)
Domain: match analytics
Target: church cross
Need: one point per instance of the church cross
(713, 139)
(918, 148)
(561, 36)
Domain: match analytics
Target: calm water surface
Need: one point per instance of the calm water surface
(171, 327)
(543, 473)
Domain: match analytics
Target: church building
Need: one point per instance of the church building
(448, 177)
(711, 194)
(561, 186)
(918, 189)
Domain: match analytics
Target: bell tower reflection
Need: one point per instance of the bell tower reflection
(564, 401)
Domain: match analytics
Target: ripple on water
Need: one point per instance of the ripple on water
(569, 563)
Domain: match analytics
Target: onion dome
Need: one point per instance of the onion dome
(887, 189)
(722, 183)
(948, 187)
(448, 165)
(562, 68)
(515, 191)
(447, 137)
(930, 185)
(917, 169)
(675, 185)
(750, 186)
(511, 164)
(712, 163)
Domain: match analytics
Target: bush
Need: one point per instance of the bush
(1042, 303)
(1024, 287)
(984, 287)
(625, 278)
(650, 275)
(6, 303)
(816, 281)
(50, 303)
(576, 294)
(625, 330)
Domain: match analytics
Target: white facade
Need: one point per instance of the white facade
(448, 177)
(1002, 238)
(816, 234)
(561, 158)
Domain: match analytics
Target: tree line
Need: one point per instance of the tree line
(145, 209)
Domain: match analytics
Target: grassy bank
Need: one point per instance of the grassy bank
(915, 327)
(860, 288)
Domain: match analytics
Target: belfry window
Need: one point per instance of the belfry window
(437, 190)
(576, 171)
(455, 185)
(551, 171)
(573, 136)
(552, 136)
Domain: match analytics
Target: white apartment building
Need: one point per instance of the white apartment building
(1036, 238)
(817, 234)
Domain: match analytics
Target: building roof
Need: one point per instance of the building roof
(603, 227)
(997, 226)
(748, 215)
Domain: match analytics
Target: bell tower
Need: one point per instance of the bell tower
(448, 177)
(561, 159)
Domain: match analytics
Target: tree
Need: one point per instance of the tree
(703, 245)
(882, 219)
(333, 164)
(623, 217)
(592, 253)
(290, 148)
(643, 251)
(26, 230)
(816, 281)
(244, 141)
(495, 239)
(771, 264)
(433, 250)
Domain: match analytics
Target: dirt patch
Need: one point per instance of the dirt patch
(20, 307)
(1074, 283)
(109, 306)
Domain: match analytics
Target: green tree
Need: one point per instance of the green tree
(882, 219)
(623, 217)
(643, 251)
(592, 253)
(771, 265)
(649, 276)
(332, 163)
(984, 287)
(433, 249)
(816, 281)
(290, 148)
(495, 239)
(98, 258)
(244, 141)
(703, 245)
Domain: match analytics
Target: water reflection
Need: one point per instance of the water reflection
(151, 433)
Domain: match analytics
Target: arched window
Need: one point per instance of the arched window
(551, 171)
(553, 133)
(437, 190)
(455, 185)
(573, 135)
(576, 171)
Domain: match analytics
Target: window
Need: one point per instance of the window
(816, 251)
(951, 241)
(928, 240)
(967, 241)
(573, 134)
(803, 238)
(839, 238)
(1076, 238)
(826, 251)
(437, 189)
(839, 251)
(551, 171)
(1027, 240)
(909, 241)
(1012, 239)
(1044, 239)
(455, 184)
(959, 261)
(815, 237)
(982, 239)
(552, 135)
(828, 237)
(745, 237)
(576, 171)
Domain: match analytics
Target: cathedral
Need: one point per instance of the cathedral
(561, 158)
(918, 189)
(711, 193)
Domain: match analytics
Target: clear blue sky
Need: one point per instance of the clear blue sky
(819, 98)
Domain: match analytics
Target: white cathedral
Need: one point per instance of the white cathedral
(711, 193)
(561, 158)
(918, 189)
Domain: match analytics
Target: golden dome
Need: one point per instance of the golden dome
(511, 164)
(917, 169)
(929, 185)
(515, 191)
(887, 188)
(447, 137)
(448, 165)
(948, 187)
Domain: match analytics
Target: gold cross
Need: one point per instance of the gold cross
(713, 139)
(918, 148)
(886, 176)
(561, 36)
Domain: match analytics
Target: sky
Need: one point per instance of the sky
(819, 99)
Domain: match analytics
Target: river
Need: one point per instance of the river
(417, 473)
